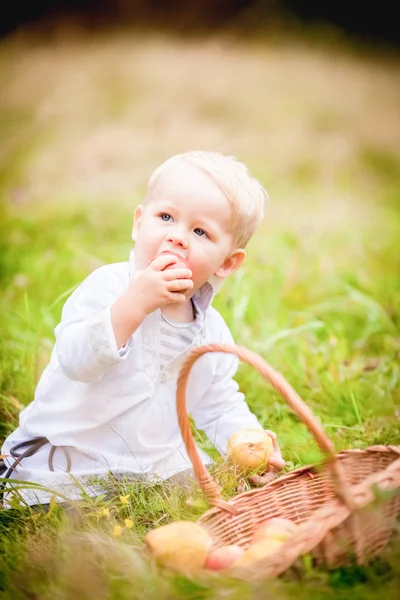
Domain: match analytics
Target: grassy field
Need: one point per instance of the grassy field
(83, 121)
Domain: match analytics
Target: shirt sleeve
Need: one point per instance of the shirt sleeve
(223, 410)
(85, 340)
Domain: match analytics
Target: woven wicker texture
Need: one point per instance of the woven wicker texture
(346, 509)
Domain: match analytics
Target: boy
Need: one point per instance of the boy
(106, 401)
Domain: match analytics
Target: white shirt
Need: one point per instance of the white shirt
(175, 338)
(115, 410)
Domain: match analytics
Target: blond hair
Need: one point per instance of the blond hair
(245, 193)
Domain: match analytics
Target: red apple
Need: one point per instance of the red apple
(224, 557)
(179, 264)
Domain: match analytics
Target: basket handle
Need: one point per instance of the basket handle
(206, 482)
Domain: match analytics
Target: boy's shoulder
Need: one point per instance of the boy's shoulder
(218, 327)
(107, 280)
(118, 270)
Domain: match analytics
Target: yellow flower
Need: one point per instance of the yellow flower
(105, 512)
(128, 523)
(124, 499)
(117, 530)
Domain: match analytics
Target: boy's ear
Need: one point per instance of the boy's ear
(137, 218)
(231, 263)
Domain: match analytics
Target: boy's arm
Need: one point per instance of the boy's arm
(102, 314)
(223, 410)
(85, 342)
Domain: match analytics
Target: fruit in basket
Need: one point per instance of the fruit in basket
(276, 528)
(258, 551)
(182, 545)
(251, 450)
(223, 557)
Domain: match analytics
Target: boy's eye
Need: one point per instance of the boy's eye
(199, 232)
(166, 217)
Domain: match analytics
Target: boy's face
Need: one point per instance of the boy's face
(187, 215)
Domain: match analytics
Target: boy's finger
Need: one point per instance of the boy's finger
(274, 439)
(172, 274)
(177, 297)
(162, 261)
(276, 463)
(272, 435)
(263, 479)
(177, 285)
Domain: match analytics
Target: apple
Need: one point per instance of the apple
(224, 557)
(250, 449)
(179, 264)
(276, 528)
(182, 545)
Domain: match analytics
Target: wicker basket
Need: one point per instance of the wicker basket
(346, 509)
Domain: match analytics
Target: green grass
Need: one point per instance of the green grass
(318, 297)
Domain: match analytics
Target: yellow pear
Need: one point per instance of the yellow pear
(258, 551)
(182, 545)
(250, 449)
(275, 528)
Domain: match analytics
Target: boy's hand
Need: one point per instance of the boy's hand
(155, 286)
(150, 288)
(276, 464)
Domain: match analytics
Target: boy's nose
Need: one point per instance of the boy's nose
(177, 239)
